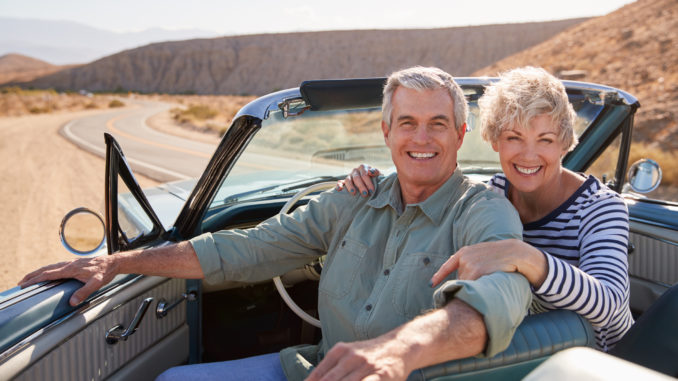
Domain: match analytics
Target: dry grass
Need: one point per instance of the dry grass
(210, 113)
(15, 101)
(207, 113)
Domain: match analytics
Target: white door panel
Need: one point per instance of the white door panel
(76, 348)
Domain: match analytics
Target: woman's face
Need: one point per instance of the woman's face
(531, 156)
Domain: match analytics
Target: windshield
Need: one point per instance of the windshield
(290, 153)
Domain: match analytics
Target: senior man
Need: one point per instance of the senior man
(375, 303)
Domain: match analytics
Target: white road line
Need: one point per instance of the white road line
(75, 138)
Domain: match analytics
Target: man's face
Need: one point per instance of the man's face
(422, 137)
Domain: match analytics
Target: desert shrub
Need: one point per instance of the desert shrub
(38, 110)
(115, 103)
(200, 112)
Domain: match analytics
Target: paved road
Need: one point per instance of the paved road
(166, 157)
(152, 153)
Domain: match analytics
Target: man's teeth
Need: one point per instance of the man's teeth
(422, 155)
(527, 171)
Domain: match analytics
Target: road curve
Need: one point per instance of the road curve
(154, 154)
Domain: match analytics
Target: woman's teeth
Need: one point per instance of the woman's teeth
(527, 171)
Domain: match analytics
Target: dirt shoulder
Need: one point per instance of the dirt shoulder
(43, 177)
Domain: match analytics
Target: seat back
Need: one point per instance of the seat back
(536, 339)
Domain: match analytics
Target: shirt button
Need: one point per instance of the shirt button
(426, 261)
(386, 272)
(368, 307)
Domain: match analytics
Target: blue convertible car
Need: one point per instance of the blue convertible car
(280, 150)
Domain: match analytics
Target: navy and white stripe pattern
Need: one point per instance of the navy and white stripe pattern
(585, 241)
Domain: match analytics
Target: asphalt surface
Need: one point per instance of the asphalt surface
(154, 154)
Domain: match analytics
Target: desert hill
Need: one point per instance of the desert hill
(257, 64)
(634, 48)
(20, 68)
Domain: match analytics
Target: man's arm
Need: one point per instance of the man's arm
(453, 332)
(177, 261)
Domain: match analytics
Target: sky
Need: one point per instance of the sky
(237, 17)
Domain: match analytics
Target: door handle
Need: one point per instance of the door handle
(119, 332)
(164, 307)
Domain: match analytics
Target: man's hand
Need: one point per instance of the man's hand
(378, 359)
(94, 272)
(452, 332)
(176, 261)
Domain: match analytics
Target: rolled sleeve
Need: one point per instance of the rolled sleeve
(205, 249)
(502, 298)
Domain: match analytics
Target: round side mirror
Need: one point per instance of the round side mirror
(644, 176)
(82, 231)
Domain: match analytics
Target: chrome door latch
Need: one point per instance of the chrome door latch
(119, 332)
(164, 307)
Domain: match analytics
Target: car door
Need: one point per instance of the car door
(133, 328)
(607, 151)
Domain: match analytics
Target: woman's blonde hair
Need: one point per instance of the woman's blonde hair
(522, 94)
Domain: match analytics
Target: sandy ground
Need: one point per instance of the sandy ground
(43, 176)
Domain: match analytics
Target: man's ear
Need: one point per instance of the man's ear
(461, 132)
(386, 130)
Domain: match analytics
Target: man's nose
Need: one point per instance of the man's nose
(421, 134)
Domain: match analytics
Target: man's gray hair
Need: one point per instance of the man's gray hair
(424, 78)
(522, 94)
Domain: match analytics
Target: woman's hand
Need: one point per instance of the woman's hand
(359, 179)
(510, 255)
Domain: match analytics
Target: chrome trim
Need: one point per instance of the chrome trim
(12, 299)
(653, 223)
(652, 236)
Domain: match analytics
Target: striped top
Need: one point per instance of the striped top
(585, 241)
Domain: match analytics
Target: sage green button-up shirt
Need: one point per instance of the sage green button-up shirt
(380, 258)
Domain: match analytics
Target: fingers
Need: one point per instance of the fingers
(359, 180)
(326, 365)
(83, 292)
(371, 171)
(451, 265)
(50, 272)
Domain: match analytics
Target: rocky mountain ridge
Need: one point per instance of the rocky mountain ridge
(258, 64)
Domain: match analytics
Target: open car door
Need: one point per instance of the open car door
(132, 329)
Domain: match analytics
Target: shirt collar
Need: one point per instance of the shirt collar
(434, 207)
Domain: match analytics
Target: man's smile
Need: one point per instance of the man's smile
(421, 155)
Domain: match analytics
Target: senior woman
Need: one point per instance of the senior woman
(575, 229)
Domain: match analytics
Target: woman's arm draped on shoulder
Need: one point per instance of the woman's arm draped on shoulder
(360, 180)
(596, 289)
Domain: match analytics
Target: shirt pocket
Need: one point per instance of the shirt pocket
(340, 270)
(412, 295)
